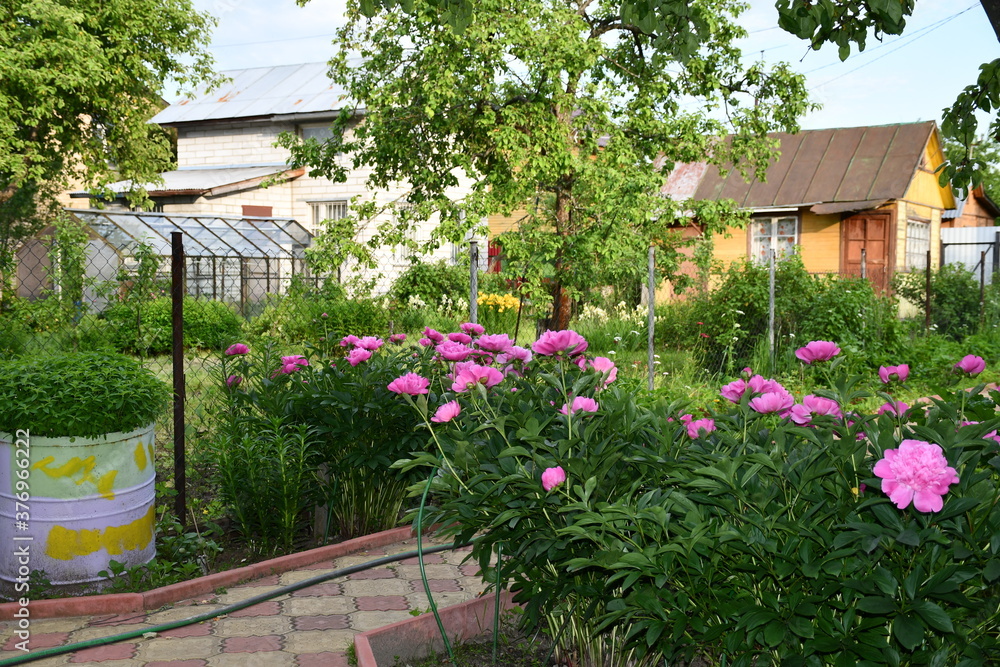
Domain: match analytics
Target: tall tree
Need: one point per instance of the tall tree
(846, 23)
(569, 110)
(79, 80)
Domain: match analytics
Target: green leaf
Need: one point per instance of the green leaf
(876, 605)
(909, 631)
(934, 616)
(992, 570)
(774, 633)
(909, 537)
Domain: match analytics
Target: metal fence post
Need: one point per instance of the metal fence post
(864, 263)
(770, 314)
(177, 314)
(473, 281)
(927, 294)
(982, 289)
(651, 316)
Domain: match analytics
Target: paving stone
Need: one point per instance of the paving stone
(412, 572)
(295, 576)
(318, 606)
(242, 593)
(268, 608)
(369, 620)
(469, 569)
(313, 641)
(172, 615)
(184, 648)
(255, 644)
(100, 631)
(429, 559)
(322, 565)
(325, 659)
(443, 585)
(266, 659)
(320, 590)
(334, 622)
(248, 627)
(376, 587)
(121, 619)
(46, 625)
(269, 580)
(374, 573)
(120, 651)
(54, 661)
(381, 603)
(177, 663)
(37, 640)
(128, 662)
(420, 601)
(193, 630)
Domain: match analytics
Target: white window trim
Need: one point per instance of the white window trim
(752, 245)
(916, 258)
(327, 210)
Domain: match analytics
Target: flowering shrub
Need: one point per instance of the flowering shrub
(775, 531)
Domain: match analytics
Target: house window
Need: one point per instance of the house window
(918, 242)
(327, 210)
(321, 133)
(778, 234)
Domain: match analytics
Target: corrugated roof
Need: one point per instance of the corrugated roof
(852, 166)
(260, 91)
(984, 200)
(199, 181)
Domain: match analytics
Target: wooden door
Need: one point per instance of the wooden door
(872, 232)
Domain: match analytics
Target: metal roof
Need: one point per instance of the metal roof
(205, 235)
(984, 200)
(844, 169)
(260, 91)
(201, 181)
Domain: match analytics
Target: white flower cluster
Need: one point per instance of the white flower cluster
(594, 314)
(416, 302)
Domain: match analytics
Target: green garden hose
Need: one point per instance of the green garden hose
(423, 573)
(291, 588)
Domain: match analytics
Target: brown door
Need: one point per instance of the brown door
(871, 232)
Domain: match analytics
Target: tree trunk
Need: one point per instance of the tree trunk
(561, 305)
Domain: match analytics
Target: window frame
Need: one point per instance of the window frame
(320, 210)
(774, 219)
(916, 260)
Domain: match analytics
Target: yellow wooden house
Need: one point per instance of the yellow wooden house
(859, 200)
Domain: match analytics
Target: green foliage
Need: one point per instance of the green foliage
(147, 327)
(582, 154)
(429, 282)
(317, 316)
(734, 316)
(955, 309)
(756, 541)
(154, 574)
(86, 394)
(266, 472)
(76, 93)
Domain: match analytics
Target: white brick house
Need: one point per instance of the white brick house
(226, 150)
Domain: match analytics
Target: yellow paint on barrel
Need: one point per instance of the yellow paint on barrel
(67, 544)
(140, 456)
(83, 467)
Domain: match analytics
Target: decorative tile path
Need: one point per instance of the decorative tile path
(311, 627)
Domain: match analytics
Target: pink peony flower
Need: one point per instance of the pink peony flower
(814, 405)
(397, 338)
(237, 348)
(917, 472)
(606, 367)
(686, 419)
(351, 341)
(233, 381)
(515, 353)
(897, 408)
(425, 342)
(294, 361)
(472, 374)
(734, 391)
(452, 351)
(580, 404)
(699, 427)
(459, 337)
(435, 336)
(370, 343)
(890, 373)
(357, 355)
(411, 384)
(495, 343)
(552, 343)
(553, 477)
(780, 402)
(817, 350)
(758, 385)
(971, 365)
(446, 412)
(472, 328)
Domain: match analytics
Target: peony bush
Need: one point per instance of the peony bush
(769, 528)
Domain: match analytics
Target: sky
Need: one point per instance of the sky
(907, 78)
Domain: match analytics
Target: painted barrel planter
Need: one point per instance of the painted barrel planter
(90, 502)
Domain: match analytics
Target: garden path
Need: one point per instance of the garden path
(311, 627)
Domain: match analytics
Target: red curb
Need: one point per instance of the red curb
(90, 605)
(416, 638)
(123, 603)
